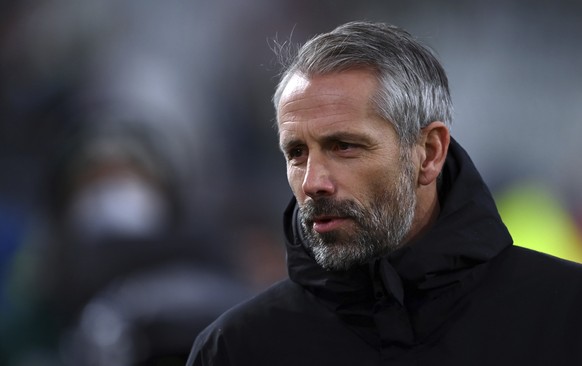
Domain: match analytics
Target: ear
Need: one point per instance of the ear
(434, 144)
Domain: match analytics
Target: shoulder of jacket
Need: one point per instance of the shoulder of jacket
(253, 309)
(547, 261)
(230, 331)
(520, 267)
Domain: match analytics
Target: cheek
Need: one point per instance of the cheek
(295, 179)
(370, 185)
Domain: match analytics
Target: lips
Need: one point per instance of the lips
(323, 224)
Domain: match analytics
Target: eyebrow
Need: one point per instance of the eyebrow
(347, 136)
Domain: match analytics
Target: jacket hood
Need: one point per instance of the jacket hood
(467, 234)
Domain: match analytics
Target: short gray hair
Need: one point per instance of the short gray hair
(413, 88)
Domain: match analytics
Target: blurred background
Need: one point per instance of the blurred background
(141, 187)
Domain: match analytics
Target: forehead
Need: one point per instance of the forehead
(356, 86)
(330, 97)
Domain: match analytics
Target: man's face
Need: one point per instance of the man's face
(354, 187)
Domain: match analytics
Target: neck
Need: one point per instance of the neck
(426, 212)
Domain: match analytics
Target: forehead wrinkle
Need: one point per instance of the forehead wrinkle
(321, 125)
(334, 107)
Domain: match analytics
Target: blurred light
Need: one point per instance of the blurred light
(537, 220)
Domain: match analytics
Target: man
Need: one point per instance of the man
(396, 252)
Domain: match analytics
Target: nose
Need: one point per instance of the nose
(317, 181)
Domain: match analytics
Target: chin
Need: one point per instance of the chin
(336, 258)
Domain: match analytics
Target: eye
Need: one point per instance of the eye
(346, 149)
(344, 145)
(296, 154)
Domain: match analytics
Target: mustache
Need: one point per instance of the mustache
(329, 207)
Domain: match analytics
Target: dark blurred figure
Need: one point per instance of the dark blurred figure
(125, 253)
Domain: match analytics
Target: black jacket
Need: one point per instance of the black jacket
(460, 295)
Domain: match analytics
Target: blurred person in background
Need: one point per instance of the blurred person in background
(396, 251)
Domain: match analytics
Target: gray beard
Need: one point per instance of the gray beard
(379, 229)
